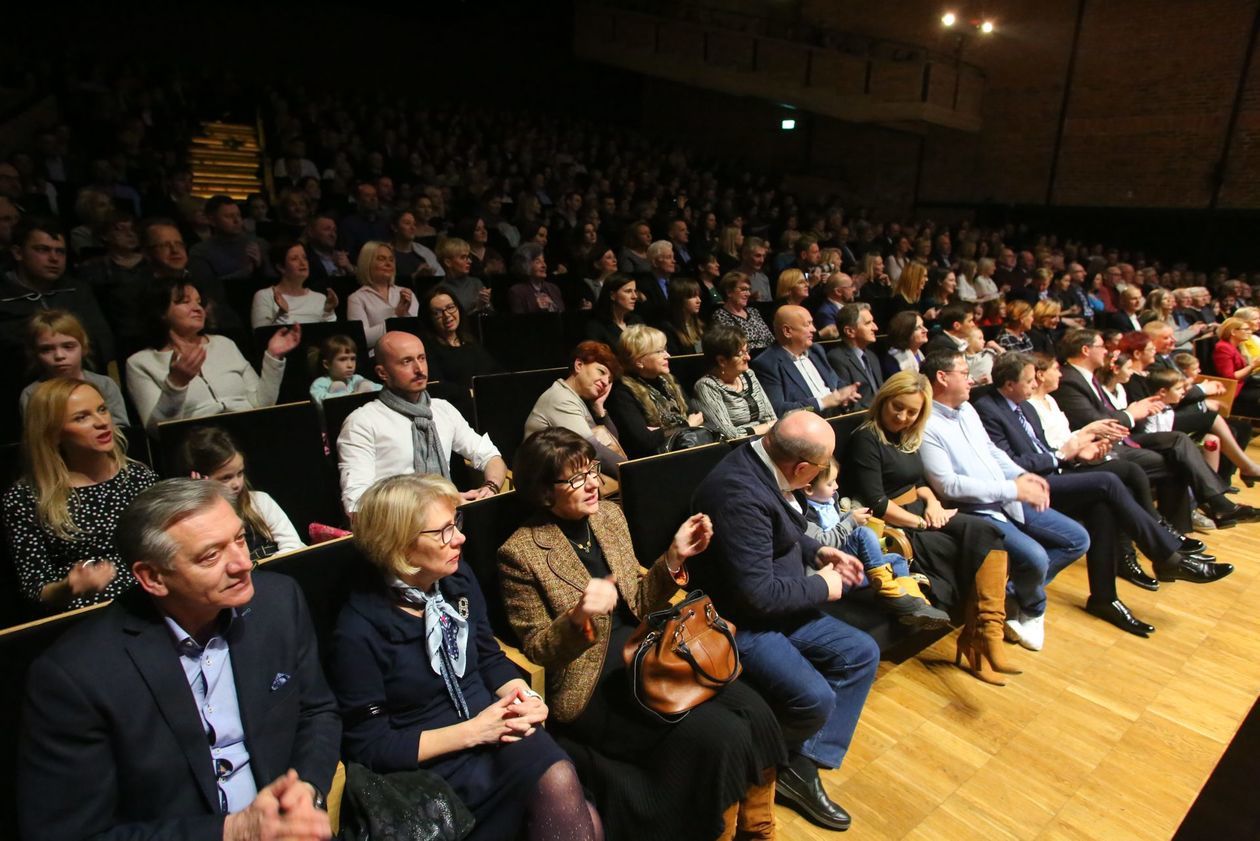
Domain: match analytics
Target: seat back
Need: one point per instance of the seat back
(687, 369)
(410, 324)
(844, 426)
(488, 523)
(656, 494)
(504, 401)
(525, 342)
(326, 572)
(336, 410)
(284, 453)
(1226, 398)
(302, 366)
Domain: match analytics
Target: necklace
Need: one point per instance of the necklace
(590, 540)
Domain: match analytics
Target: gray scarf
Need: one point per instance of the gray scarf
(427, 449)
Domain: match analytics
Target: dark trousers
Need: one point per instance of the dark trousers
(1186, 462)
(1172, 492)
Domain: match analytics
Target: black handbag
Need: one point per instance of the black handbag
(401, 806)
(686, 437)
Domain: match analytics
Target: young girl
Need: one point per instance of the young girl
(888, 574)
(56, 344)
(339, 356)
(210, 453)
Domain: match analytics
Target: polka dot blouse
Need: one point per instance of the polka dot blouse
(42, 558)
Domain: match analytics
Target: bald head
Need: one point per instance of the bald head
(402, 365)
(798, 444)
(794, 328)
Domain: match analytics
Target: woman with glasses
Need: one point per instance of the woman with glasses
(647, 404)
(421, 681)
(574, 593)
(735, 311)
(729, 395)
(454, 355)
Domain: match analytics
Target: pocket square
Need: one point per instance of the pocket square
(279, 680)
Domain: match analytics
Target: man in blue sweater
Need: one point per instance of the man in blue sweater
(814, 670)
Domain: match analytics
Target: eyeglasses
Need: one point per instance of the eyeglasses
(447, 533)
(578, 480)
(449, 309)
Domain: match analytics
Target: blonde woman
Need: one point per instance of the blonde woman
(61, 515)
(378, 298)
(647, 403)
(908, 289)
(792, 288)
(1047, 329)
(421, 681)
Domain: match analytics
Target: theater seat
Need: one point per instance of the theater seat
(302, 365)
(503, 402)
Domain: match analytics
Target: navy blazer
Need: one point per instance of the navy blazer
(113, 745)
(754, 568)
(848, 371)
(1006, 431)
(784, 385)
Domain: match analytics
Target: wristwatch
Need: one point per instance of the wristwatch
(317, 797)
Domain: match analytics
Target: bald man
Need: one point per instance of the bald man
(813, 669)
(795, 374)
(406, 431)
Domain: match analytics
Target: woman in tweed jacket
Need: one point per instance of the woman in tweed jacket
(575, 594)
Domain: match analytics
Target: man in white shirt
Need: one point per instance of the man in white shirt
(968, 471)
(378, 440)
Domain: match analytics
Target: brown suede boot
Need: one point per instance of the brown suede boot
(903, 597)
(730, 822)
(980, 640)
(756, 811)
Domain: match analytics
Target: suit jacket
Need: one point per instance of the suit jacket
(847, 369)
(1081, 403)
(1006, 431)
(542, 579)
(1119, 321)
(113, 745)
(655, 309)
(1193, 394)
(784, 384)
(754, 568)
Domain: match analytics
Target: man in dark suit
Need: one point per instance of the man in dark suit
(193, 707)
(795, 374)
(1096, 497)
(680, 238)
(956, 322)
(853, 361)
(654, 285)
(813, 669)
(1083, 400)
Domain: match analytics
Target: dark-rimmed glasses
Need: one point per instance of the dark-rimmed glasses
(578, 480)
(447, 532)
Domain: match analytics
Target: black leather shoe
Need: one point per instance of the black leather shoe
(1239, 514)
(1119, 615)
(1189, 545)
(1200, 556)
(1179, 568)
(1130, 570)
(799, 788)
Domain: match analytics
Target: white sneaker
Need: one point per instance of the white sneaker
(1200, 521)
(1034, 628)
(1013, 630)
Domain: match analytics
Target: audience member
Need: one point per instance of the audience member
(454, 355)
(601, 264)
(577, 403)
(289, 301)
(633, 258)
(322, 255)
(1047, 329)
(792, 288)
(729, 394)
(532, 292)
(58, 346)
(379, 297)
(735, 311)
(473, 295)
(752, 264)
(854, 362)
(838, 290)
(406, 431)
(231, 253)
(1230, 364)
(574, 594)
(795, 372)
(907, 291)
(685, 327)
(367, 223)
(614, 310)
(339, 357)
(1015, 326)
(133, 725)
(647, 404)
(415, 261)
(907, 334)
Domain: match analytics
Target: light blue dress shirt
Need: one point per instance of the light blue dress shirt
(964, 466)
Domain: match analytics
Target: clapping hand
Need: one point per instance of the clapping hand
(691, 539)
(90, 577)
(284, 340)
(187, 365)
(404, 303)
(282, 305)
(598, 599)
(330, 301)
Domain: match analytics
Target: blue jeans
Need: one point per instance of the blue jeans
(815, 672)
(1037, 550)
(864, 545)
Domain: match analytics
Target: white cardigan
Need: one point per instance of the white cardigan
(227, 383)
(372, 310)
(278, 523)
(303, 309)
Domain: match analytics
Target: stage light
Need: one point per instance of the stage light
(987, 27)
(949, 19)
(787, 125)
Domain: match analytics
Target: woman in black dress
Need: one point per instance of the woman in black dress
(614, 310)
(421, 681)
(574, 593)
(963, 555)
(454, 355)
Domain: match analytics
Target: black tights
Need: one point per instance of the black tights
(559, 811)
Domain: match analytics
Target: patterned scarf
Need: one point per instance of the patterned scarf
(445, 638)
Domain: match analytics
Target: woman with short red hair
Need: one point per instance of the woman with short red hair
(577, 403)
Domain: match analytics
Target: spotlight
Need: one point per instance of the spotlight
(787, 125)
(987, 27)
(949, 19)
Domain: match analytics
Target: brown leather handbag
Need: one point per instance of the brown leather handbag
(681, 657)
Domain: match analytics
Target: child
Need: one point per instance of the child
(339, 356)
(210, 453)
(56, 344)
(888, 574)
(979, 357)
(1169, 386)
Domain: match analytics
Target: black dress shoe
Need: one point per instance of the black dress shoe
(800, 789)
(1189, 545)
(1200, 556)
(1119, 615)
(1130, 570)
(1179, 568)
(1239, 514)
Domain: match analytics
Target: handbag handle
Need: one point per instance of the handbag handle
(718, 624)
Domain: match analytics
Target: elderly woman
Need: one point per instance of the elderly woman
(1046, 330)
(1015, 326)
(575, 595)
(576, 403)
(289, 301)
(963, 555)
(456, 259)
(647, 404)
(454, 355)
(379, 297)
(614, 310)
(185, 374)
(421, 681)
(1230, 363)
(61, 515)
(729, 395)
(735, 312)
(532, 292)
(907, 334)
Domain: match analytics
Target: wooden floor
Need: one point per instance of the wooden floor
(1104, 736)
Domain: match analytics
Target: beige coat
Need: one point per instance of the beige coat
(542, 580)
